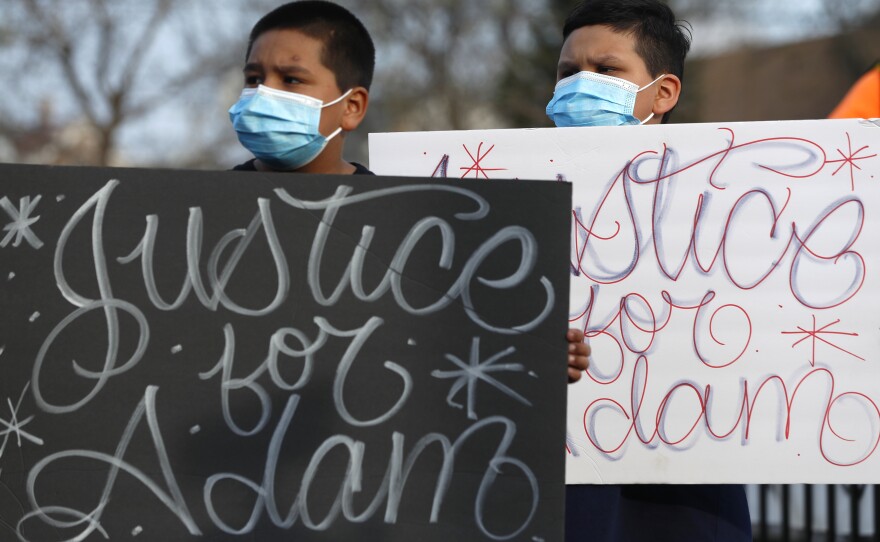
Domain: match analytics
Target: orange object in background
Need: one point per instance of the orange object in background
(863, 99)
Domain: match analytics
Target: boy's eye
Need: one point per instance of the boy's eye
(605, 69)
(252, 80)
(289, 80)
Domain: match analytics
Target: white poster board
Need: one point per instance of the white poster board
(728, 279)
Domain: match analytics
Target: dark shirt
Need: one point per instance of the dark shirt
(657, 513)
(250, 166)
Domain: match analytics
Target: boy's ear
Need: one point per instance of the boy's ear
(667, 95)
(355, 108)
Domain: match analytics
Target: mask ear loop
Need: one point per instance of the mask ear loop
(652, 82)
(339, 99)
(334, 134)
(328, 104)
(651, 116)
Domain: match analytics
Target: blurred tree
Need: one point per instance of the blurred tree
(528, 80)
(446, 64)
(88, 72)
(148, 82)
(442, 59)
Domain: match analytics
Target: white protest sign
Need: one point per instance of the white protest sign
(728, 279)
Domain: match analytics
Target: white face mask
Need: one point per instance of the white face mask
(593, 99)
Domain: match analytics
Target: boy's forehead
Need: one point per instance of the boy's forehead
(593, 43)
(288, 42)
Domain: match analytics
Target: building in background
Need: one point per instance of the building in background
(803, 80)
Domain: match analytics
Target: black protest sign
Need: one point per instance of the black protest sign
(244, 356)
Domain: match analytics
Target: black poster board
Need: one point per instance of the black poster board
(242, 356)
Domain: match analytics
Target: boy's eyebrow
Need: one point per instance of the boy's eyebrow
(605, 59)
(567, 65)
(292, 68)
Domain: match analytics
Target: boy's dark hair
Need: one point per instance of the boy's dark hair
(348, 49)
(661, 41)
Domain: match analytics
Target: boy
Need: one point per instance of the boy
(308, 70)
(622, 62)
(307, 76)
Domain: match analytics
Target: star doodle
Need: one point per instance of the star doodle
(14, 425)
(814, 335)
(20, 227)
(477, 168)
(469, 373)
(850, 160)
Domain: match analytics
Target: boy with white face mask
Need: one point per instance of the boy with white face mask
(307, 75)
(622, 63)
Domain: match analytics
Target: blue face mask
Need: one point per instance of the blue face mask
(593, 99)
(280, 128)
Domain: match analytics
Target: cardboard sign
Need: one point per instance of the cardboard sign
(727, 276)
(222, 356)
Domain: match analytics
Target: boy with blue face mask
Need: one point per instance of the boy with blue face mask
(307, 75)
(622, 62)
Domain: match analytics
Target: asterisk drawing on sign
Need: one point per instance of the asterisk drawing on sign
(477, 168)
(814, 335)
(20, 227)
(469, 373)
(850, 159)
(13, 426)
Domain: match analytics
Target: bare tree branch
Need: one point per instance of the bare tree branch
(105, 41)
(142, 44)
(57, 41)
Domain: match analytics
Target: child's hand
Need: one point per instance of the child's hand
(578, 354)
